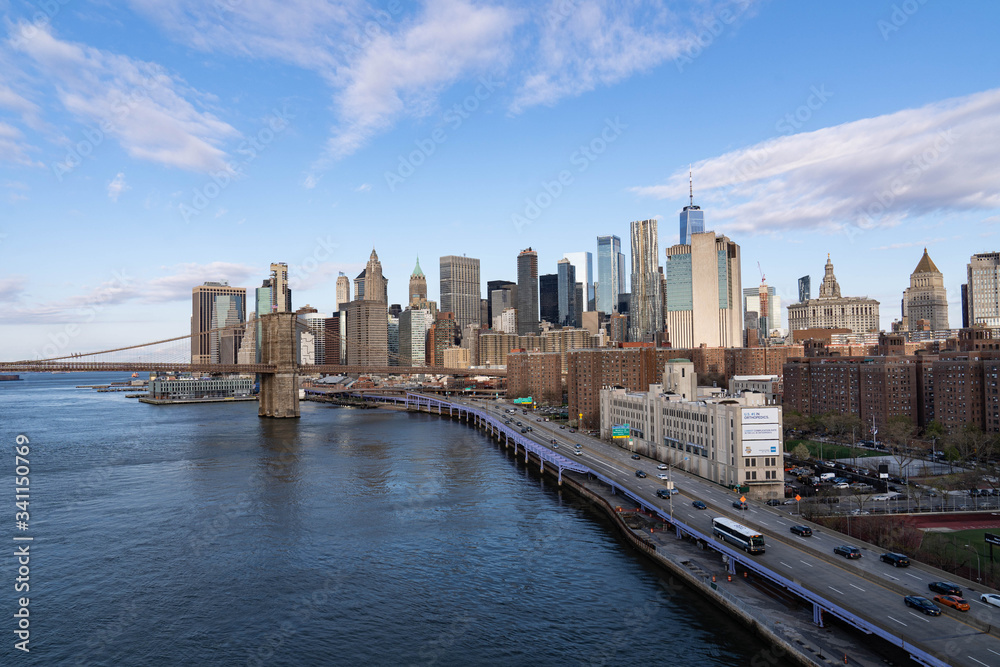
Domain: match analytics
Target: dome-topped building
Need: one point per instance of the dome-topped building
(833, 311)
(925, 301)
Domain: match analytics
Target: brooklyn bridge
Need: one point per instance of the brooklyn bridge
(278, 368)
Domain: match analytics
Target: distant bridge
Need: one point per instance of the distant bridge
(278, 369)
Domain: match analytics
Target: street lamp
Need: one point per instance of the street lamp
(979, 571)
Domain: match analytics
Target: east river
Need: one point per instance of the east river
(201, 534)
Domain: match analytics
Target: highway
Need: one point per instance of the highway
(864, 587)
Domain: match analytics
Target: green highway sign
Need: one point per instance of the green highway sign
(620, 431)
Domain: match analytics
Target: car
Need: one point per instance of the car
(894, 559)
(539, 419)
(578, 445)
(790, 501)
(640, 473)
(698, 505)
(663, 466)
(519, 424)
(841, 485)
(847, 551)
(945, 588)
(662, 493)
(636, 457)
(773, 502)
(740, 505)
(922, 604)
(553, 441)
(990, 598)
(563, 427)
(579, 452)
(572, 430)
(663, 475)
(801, 531)
(953, 601)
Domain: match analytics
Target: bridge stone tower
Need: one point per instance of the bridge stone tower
(279, 391)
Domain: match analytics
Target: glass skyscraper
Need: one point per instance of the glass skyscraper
(692, 222)
(568, 306)
(584, 264)
(610, 273)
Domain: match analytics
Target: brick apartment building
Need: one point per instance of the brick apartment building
(535, 374)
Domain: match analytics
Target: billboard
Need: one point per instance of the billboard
(523, 401)
(620, 431)
(761, 415)
(755, 431)
(761, 447)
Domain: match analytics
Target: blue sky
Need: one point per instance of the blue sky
(150, 145)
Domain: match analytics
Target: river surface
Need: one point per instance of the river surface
(201, 534)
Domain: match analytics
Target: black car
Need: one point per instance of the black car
(523, 431)
(847, 551)
(922, 604)
(945, 588)
(698, 505)
(562, 427)
(636, 457)
(740, 505)
(802, 531)
(896, 560)
(639, 473)
(773, 502)
(662, 493)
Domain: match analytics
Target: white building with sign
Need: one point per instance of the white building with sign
(730, 440)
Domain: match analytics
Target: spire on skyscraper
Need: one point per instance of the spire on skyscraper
(690, 186)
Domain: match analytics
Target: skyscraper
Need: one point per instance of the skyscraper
(418, 287)
(317, 325)
(608, 278)
(703, 293)
(766, 305)
(926, 298)
(213, 305)
(281, 296)
(343, 290)
(527, 292)
(376, 287)
(692, 217)
(583, 262)
(646, 317)
(502, 294)
(832, 311)
(805, 290)
(460, 289)
(367, 333)
(982, 299)
(566, 286)
(414, 324)
(548, 293)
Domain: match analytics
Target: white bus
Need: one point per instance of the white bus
(729, 531)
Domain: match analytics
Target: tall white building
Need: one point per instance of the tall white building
(704, 292)
(506, 321)
(414, 323)
(460, 289)
(751, 303)
(316, 322)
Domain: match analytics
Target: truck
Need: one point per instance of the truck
(826, 476)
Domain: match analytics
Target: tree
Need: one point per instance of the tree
(801, 452)
(898, 432)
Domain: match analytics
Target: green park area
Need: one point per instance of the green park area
(829, 450)
(956, 551)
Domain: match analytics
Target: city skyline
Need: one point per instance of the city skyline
(133, 224)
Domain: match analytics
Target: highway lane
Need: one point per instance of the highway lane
(807, 560)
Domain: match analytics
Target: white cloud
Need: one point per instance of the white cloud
(117, 186)
(403, 72)
(867, 173)
(585, 44)
(364, 187)
(14, 148)
(310, 181)
(138, 103)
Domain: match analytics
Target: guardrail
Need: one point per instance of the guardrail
(820, 603)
